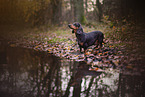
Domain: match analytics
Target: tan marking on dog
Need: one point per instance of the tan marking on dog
(73, 27)
(81, 43)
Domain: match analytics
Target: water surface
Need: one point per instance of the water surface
(28, 73)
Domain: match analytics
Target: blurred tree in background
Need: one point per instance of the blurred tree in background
(47, 12)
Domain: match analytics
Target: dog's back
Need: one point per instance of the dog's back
(94, 36)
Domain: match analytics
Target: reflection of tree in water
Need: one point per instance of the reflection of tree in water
(91, 83)
(82, 71)
(86, 83)
(47, 79)
(131, 86)
(29, 73)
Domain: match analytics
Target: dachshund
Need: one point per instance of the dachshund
(86, 39)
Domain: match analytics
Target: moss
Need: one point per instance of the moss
(84, 20)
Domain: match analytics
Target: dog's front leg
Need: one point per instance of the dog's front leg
(80, 45)
(85, 51)
(100, 45)
(80, 49)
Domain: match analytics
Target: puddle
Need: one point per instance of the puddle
(29, 73)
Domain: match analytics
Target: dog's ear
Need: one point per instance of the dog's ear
(78, 24)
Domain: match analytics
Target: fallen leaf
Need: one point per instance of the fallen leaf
(13, 45)
(87, 53)
(36, 47)
(129, 67)
(93, 69)
(100, 54)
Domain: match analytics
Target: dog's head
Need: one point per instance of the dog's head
(75, 26)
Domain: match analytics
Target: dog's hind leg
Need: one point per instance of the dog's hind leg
(97, 44)
(80, 49)
(100, 40)
(94, 50)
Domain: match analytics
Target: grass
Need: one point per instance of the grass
(53, 34)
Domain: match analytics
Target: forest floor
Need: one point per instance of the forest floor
(62, 43)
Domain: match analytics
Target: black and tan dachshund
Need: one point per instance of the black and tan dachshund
(86, 39)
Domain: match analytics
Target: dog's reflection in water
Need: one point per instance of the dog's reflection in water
(82, 71)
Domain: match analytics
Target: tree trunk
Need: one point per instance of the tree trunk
(72, 10)
(56, 11)
(99, 11)
(79, 11)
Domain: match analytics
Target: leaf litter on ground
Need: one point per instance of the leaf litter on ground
(106, 57)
